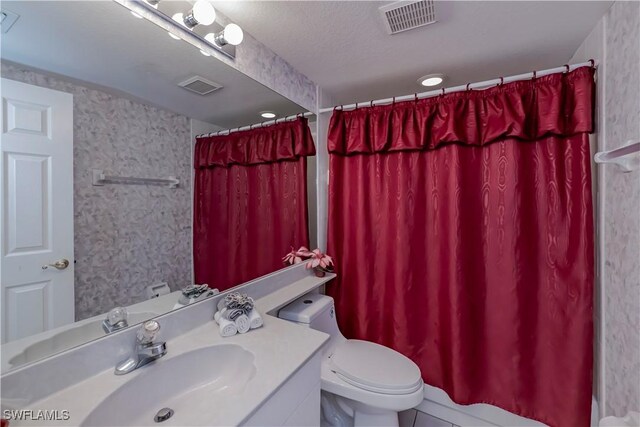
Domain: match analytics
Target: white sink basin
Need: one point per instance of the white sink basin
(176, 383)
(69, 338)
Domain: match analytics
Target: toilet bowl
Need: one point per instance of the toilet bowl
(363, 383)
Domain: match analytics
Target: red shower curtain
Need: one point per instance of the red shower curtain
(461, 227)
(250, 202)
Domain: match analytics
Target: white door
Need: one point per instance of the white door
(36, 212)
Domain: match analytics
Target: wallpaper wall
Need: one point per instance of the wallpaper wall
(622, 203)
(262, 64)
(615, 42)
(126, 236)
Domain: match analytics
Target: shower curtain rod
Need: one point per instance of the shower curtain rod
(261, 124)
(477, 85)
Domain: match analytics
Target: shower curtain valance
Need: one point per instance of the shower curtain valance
(554, 105)
(283, 141)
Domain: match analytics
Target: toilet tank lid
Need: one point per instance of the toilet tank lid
(306, 308)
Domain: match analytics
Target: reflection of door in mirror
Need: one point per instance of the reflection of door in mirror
(37, 217)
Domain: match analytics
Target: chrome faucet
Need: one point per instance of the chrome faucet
(116, 320)
(146, 350)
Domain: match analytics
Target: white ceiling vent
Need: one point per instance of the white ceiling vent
(401, 16)
(200, 85)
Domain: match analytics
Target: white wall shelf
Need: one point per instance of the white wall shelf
(99, 178)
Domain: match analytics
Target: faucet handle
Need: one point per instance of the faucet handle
(117, 315)
(148, 332)
(116, 319)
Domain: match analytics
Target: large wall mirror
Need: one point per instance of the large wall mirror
(96, 101)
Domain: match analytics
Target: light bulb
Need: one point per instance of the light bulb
(203, 12)
(211, 38)
(179, 18)
(233, 34)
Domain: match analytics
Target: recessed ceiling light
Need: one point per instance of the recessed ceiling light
(431, 80)
(268, 114)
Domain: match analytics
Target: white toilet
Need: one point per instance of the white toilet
(363, 384)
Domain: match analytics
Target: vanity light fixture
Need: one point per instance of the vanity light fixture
(431, 80)
(232, 34)
(181, 26)
(202, 13)
(268, 114)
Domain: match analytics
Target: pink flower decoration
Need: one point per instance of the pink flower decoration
(318, 259)
(295, 257)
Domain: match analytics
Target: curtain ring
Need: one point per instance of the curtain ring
(501, 81)
(468, 86)
(534, 75)
(393, 102)
(442, 92)
(593, 63)
(567, 66)
(371, 103)
(415, 99)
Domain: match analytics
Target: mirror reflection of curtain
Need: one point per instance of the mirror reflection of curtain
(250, 201)
(462, 231)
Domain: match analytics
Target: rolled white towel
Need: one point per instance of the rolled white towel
(227, 327)
(243, 324)
(255, 319)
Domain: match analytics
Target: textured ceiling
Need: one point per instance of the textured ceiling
(100, 42)
(344, 48)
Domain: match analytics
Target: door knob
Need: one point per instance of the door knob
(60, 264)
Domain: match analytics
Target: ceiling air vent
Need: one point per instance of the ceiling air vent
(401, 16)
(200, 85)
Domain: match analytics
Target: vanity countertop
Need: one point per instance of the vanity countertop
(279, 348)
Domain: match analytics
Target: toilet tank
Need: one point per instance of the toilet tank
(313, 310)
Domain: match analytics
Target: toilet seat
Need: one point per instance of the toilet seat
(375, 368)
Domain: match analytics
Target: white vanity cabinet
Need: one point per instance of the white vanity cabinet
(296, 402)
